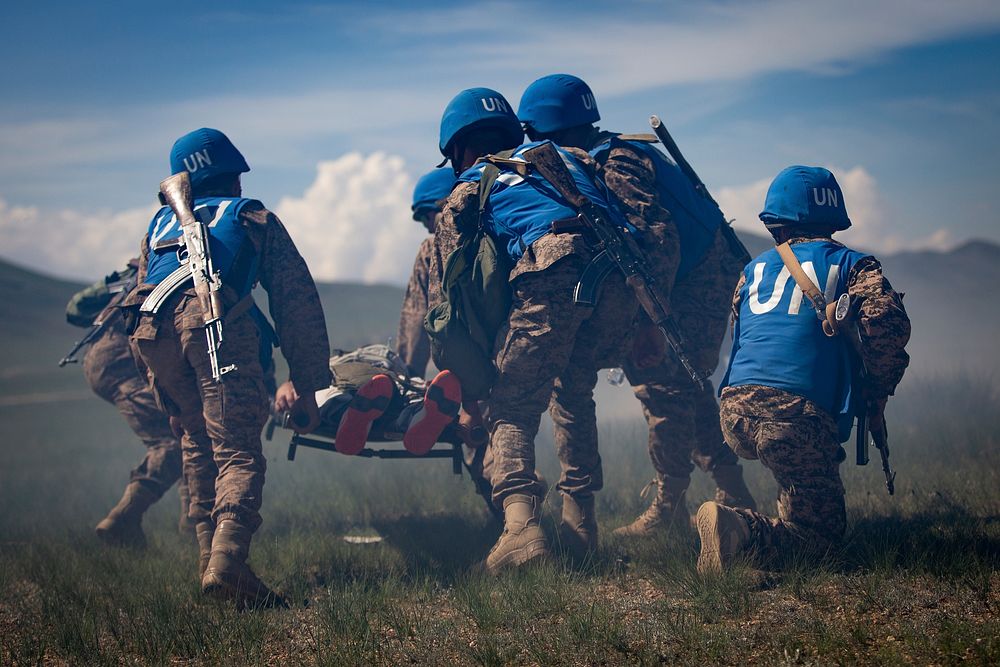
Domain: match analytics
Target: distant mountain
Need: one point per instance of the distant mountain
(949, 295)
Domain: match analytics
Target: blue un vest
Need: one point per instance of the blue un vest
(521, 210)
(696, 217)
(226, 236)
(778, 341)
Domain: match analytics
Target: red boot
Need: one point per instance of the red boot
(367, 406)
(441, 404)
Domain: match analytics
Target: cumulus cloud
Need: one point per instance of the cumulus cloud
(870, 226)
(353, 223)
(72, 243)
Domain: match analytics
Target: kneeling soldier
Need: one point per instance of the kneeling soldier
(223, 409)
(787, 395)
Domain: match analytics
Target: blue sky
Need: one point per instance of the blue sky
(336, 108)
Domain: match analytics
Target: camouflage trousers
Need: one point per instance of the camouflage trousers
(797, 441)
(111, 372)
(223, 459)
(549, 355)
(684, 420)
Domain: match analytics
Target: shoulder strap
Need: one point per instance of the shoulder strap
(491, 172)
(824, 311)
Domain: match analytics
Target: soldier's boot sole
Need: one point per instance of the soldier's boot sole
(368, 404)
(724, 535)
(441, 405)
(516, 550)
(237, 582)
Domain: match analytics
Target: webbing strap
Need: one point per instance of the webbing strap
(812, 292)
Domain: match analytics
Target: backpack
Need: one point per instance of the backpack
(476, 298)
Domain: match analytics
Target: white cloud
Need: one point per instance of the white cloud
(353, 223)
(871, 228)
(71, 243)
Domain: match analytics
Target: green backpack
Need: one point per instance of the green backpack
(476, 303)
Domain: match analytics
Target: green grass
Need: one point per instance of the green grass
(916, 580)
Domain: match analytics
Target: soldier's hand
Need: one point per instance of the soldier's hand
(876, 415)
(285, 397)
(648, 346)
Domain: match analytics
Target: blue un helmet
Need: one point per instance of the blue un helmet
(557, 102)
(206, 153)
(477, 108)
(432, 187)
(805, 196)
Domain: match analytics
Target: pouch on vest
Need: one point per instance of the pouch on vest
(476, 297)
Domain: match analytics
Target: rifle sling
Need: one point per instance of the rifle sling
(824, 311)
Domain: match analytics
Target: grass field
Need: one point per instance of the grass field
(916, 581)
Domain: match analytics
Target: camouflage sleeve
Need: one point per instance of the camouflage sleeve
(143, 260)
(631, 175)
(87, 304)
(736, 295)
(292, 299)
(458, 215)
(412, 342)
(883, 325)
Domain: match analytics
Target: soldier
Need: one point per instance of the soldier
(411, 341)
(550, 346)
(111, 372)
(222, 420)
(694, 257)
(787, 395)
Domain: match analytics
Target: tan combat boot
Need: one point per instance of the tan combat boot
(185, 525)
(666, 511)
(522, 539)
(204, 531)
(229, 577)
(724, 536)
(123, 524)
(579, 524)
(731, 490)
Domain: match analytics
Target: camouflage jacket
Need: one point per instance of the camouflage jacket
(412, 342)
(631, 175)
(293, 300)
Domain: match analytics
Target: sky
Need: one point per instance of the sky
(336, 108)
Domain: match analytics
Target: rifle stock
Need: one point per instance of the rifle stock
(176, 193)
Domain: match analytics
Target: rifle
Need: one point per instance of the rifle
(119, 289)
(880, 435)
(615, 248)
(735, 245)
(175, 192)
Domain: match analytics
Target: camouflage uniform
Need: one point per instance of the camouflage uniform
(798, 441)
(110, 370)
(551, 348)
(223, 460)
(412, 342)
(683, 420)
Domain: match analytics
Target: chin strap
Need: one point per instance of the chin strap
(825, 312)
